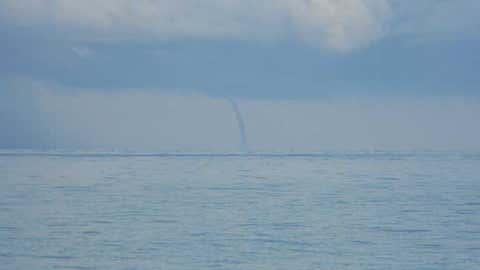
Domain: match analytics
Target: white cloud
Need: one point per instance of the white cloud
(339, 24)
(343, 25)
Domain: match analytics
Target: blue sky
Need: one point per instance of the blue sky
(255, 51)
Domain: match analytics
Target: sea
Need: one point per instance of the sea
(329, 210)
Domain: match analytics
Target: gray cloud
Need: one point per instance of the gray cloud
(437, 20)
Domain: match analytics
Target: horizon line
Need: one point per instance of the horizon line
(321, 154)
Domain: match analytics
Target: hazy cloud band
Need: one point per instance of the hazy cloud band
(48, 116)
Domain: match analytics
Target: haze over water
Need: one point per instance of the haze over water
(338, 210)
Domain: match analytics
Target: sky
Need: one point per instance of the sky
(307, 75)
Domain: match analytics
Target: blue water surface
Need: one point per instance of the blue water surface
(383, 210)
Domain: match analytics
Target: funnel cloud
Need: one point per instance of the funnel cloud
(241, 125)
